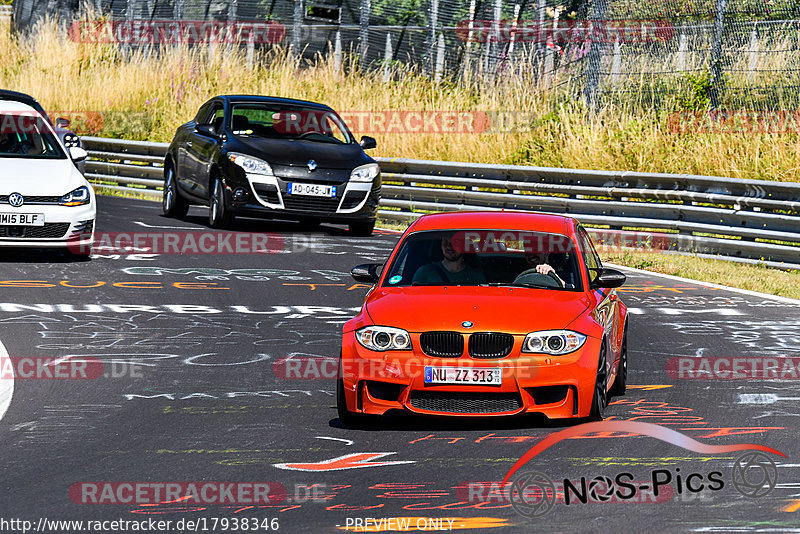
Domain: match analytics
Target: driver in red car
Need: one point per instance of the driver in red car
(453, 269)
(538, 263)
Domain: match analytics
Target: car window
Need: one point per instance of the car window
(280, 121)
(593, 263)
(27, 135)
(214, 115)
(486, 257)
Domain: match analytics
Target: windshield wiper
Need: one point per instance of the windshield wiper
(509, 284)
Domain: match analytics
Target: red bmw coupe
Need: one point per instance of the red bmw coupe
(486, 314)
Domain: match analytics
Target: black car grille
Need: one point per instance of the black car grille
(490, 345)
(33, 199)
(314, 204)
(442, 344)
(449, 402)
(48, 231)
(353, 199)
(268, 193)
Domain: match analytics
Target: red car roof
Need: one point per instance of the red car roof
(504, 220)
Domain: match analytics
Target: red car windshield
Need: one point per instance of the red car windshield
(486, 258)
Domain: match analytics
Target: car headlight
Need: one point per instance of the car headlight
(78, 197)
(365, 173)
(250, 164)
(556, 342)
(383, 338)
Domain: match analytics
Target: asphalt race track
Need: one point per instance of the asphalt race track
(194, 388)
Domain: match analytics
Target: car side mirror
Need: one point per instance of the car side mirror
(62, 123)
(368, 142)
(366, 273)
(609, 278)
(207, 129)
(77, 154)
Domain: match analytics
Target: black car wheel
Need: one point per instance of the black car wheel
(218, 214)
(172, 204)
(621, 382)
(600, 397)
(362, 228)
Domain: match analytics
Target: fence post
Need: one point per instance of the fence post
(683, 46)
(177, 10)
(616, 62)
(439, 59)
(432, 23)
(494, 40)
(337, 53)
(752, 64)
(594, 57)
(466, 61)
(363, 35)
(716, 58)
(297, 20)
(251, 50)
(387, 58)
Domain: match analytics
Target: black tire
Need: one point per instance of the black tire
(218, 214)
(600, 397)
(172, 204)
(621, 382)
(362, 228)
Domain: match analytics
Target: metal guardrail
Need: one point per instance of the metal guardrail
(746, 220)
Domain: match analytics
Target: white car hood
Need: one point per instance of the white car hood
(39, 177)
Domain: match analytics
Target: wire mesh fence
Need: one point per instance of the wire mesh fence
(662, 54)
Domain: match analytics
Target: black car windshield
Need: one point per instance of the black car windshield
(27, 135)
(276, 121)
(507, 258)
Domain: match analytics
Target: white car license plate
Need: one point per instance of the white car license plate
(312, 190)
(463, 375)
(22, 219)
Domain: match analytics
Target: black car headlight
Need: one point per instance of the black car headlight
(365, 173)
(250, 164)
(78, 197)
(381, 338)
(555, 342)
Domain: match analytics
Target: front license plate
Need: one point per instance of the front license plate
(22, 219)
(463, 375)
(312, 190)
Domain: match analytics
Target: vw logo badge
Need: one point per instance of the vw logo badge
(312, 165)
(16, 200)
(467, 324)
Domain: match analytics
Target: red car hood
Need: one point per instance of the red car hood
(495, 309)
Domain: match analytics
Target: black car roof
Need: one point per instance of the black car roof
(272, 100)
(6, 94)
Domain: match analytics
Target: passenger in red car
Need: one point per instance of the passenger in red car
(453, 269)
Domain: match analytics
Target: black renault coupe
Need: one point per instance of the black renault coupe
(268, 157)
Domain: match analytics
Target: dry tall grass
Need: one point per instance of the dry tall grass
(155, 91)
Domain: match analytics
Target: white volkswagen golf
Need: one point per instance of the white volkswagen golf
(44, 199)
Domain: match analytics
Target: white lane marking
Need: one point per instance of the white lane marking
(140, 223)
(6, 384)
(346, 441)
(763, 398)
(679, 311)
(706, 284)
